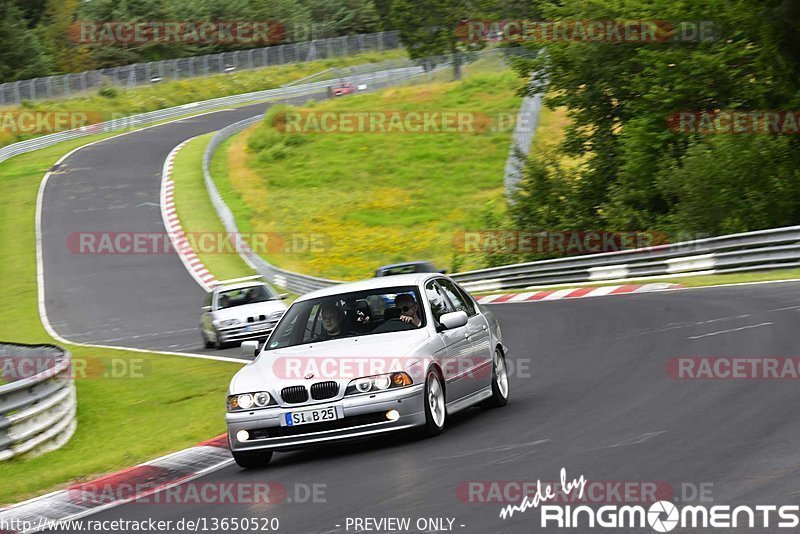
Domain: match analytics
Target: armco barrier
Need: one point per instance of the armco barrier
(751, 251)
(79, 83)
(161, 115)
(37, 412)
(295, 282)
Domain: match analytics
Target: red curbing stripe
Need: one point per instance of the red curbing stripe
(503, 298)
(624, 289)
(220, 441)
(125, 484)
(540, 295)
(579, 292)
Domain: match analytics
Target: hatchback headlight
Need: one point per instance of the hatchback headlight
(250, 401)
(228, 322)
(373, 384)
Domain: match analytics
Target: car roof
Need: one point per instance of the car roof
(240, 285)
(412, 279)
(393, 265)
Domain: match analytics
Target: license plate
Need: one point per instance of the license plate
(247, 329)
(309, 416)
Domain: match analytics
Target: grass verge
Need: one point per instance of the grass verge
(686, 281)
(365, 199)
(121, 421)
(197, 213)
(116, 101)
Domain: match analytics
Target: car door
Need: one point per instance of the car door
(205, 318)
(457, 343)
(478, 329)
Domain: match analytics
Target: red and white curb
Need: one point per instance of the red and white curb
(135, 483)
(173, 225)
(573, 293)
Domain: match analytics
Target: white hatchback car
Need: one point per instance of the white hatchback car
(240, 310)
(361, 359)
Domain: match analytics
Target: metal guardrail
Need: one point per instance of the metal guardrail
(153, 117)
(37, 409)
(297, 283)
(67, 85)
(751, 251)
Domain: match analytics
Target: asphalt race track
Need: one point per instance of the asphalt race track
(128, 300)
(590, 391)
(125, 300)
(598, 402)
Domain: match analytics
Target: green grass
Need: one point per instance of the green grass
(121, 422)
(197, 214)
(374, 198)
(177, 92)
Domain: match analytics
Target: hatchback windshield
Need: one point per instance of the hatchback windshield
(245, 295)
(361, 313)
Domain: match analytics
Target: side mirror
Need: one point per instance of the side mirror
(283, 296)
(250, 349)
(443, 271)
(453, 320)
(206, 309)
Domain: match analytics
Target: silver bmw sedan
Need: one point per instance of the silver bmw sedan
(361, 359)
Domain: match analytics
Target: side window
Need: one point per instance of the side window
(313, 325)
(207, 302)
(457, 298)
(439, 304)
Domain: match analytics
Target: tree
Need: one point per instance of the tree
(430, 27)
(57, 19)
(619, 96)
(22, 55)
(345, 17)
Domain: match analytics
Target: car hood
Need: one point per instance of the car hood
(249, 310)
(340, 360)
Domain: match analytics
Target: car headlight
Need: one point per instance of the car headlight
(227, 322)
(261, 399)
(378, 383)
(248, 401)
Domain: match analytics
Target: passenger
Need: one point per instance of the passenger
(409, 310)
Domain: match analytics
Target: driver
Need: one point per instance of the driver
(332, 319)
(409, 309)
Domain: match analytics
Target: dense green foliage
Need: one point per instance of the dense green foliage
(619, 167)
(635, 173)
(35, 34)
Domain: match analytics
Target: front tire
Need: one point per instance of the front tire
(435, 405)
(252, 459)
(206, 343)
(218, 344)
(499, 382)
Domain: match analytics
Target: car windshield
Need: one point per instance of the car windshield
(244, 295)
(360, 313)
